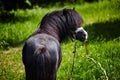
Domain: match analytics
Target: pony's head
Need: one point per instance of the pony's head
(62, 24)
(74, 22)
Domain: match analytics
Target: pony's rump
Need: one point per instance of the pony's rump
(40, 57)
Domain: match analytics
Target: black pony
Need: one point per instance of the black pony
(42, 52)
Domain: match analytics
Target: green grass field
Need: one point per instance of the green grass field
(101, 21)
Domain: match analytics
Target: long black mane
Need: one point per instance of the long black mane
(60, 24)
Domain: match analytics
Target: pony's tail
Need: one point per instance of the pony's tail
(41, 63)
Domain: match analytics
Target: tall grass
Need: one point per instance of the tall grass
(102, 21)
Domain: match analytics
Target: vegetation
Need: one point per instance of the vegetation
(102, 21)
(8, 5)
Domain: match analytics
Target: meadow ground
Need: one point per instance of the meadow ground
(101, 21)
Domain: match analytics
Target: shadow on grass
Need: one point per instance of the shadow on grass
(6, 17)
(6, 45)
(106, 31)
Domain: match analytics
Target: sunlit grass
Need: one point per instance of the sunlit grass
(11, 66)
(105, 53)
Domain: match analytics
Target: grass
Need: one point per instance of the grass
(102, 21)
(106, 53)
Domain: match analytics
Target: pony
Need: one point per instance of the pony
(41, 53)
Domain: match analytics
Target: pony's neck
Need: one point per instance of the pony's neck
(52, 32)
(59, 32)
(49, 32)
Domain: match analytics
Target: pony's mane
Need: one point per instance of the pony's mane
(59, 23)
